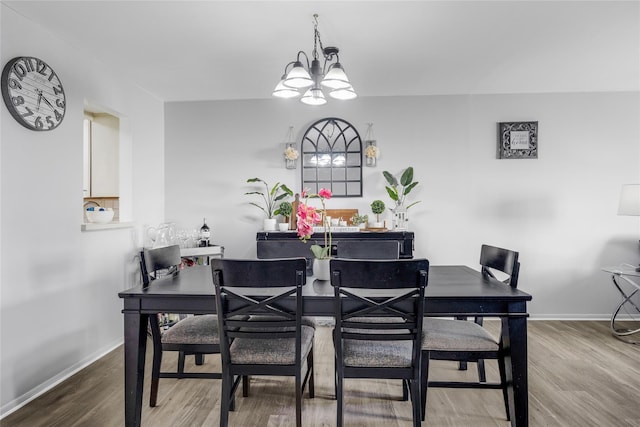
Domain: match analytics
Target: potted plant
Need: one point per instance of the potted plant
(270, 197)
(285, 210)
(398, 191)
(307, 217)
(377, 207)
(360, 220)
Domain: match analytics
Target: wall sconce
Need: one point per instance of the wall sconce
(291, 153)
(371, 150)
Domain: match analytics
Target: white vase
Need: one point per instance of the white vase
(283, 226)
(400, 218)
(321, 270)
(269, 224)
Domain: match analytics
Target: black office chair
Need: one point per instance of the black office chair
(273, 340)
(467, 341)
(197, 335)
(379, 337)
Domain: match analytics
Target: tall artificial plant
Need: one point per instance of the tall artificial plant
(398, 190)
(270, 197)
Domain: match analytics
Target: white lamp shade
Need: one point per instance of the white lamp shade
(343, 94)
(314, 96)
(629, 200)
(282, 91)
(336, 78)
(298, 77)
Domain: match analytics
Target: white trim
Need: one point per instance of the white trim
(94, 226)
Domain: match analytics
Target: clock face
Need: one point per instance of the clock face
(33, 93)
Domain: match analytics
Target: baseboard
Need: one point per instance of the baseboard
(36, 392)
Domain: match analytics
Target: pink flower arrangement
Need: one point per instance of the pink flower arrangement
(308, 216)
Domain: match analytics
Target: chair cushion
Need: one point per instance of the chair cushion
(307, 321)
(193, 330)
(456, 335)
(278, 351)
(376, 353)
(359, 353)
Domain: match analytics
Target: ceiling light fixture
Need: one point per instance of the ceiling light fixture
(331, 75)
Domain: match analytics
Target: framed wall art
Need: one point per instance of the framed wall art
(517, 140)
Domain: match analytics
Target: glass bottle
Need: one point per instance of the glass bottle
(205, 233)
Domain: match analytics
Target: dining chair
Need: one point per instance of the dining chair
(465, 341)
(378, 336)
(273, 340)
(197, 335)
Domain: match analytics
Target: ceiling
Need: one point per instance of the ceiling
(223, 50)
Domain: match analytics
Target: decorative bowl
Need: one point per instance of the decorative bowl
(101, 217)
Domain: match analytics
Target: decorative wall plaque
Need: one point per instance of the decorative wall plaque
(517, 140)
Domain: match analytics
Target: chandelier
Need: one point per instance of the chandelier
(330, 75)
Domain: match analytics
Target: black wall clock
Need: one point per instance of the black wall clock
(33, 93)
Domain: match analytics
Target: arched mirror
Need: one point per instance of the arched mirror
(332, 158)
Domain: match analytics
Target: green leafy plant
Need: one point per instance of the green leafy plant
(377, 207)
(271, 196)
(358, 219)
(398, 190)
(285, 210)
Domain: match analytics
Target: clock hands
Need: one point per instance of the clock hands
(41, 97)
(39, 92)
(47, 101)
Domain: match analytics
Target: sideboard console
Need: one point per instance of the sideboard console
(272, 244)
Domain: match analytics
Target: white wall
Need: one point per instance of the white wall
(58, 285)
(559, 211)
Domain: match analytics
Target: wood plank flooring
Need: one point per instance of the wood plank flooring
(579, 375)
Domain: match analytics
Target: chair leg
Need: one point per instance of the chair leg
(199, 359)
(504, 366)
(181, 357)
(405, 390)
(246, 385)
(339, 391)
(312, 390)
(415, 402)
(335, 377)
(298, 399)
(424, 382)
(482, 376)
(225, 403)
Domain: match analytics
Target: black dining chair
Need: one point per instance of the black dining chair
(192, 335)
(379, 336)
(273, 340)
(465, 341)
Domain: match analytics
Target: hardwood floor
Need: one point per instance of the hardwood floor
(579, 375)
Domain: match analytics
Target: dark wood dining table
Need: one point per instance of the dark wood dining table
(451, 291)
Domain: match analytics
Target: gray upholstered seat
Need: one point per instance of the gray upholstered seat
(372, 354)
(193, 330)
(306, 320)
(456, 335)
(278, 351)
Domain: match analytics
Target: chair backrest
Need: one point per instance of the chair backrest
(494, 258)
(154, 260)
(369, 249)
(277, 304)
(365, 312)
